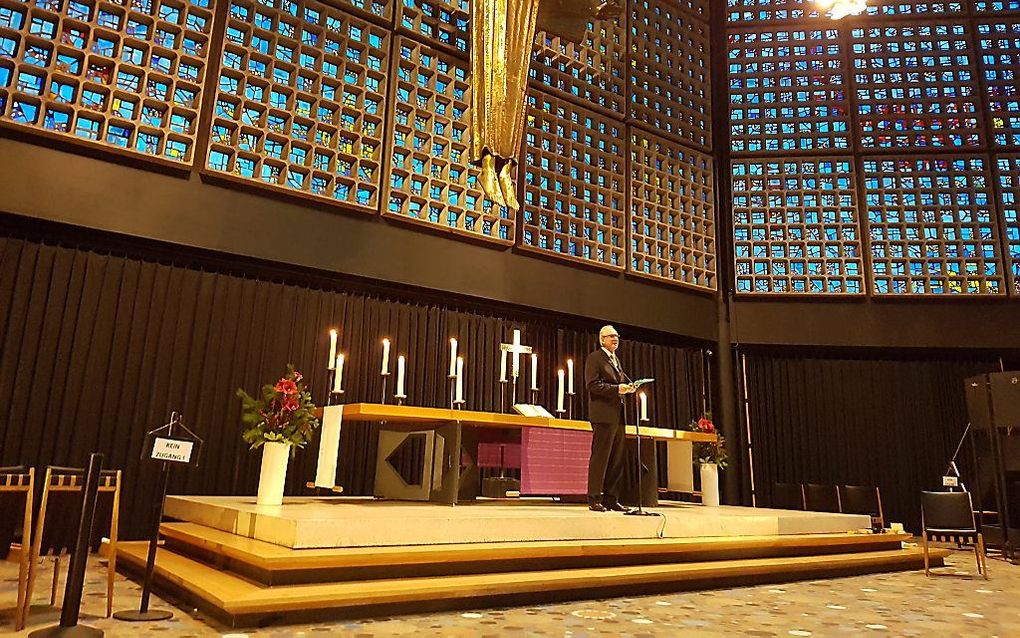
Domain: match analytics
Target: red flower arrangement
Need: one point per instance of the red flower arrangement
(283, 414)
(709, 452)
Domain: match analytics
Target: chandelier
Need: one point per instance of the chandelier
(838, 9)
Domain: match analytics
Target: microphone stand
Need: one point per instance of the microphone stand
(640, 511)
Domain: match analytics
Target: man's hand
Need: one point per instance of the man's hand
(626, 388)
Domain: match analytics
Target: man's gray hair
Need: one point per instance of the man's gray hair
(606, 329)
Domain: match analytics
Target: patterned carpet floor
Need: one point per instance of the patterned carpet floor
(897, 604)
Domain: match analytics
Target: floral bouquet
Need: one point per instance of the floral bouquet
(283, 414)
(709, 452)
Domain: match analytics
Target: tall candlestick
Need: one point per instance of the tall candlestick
(332, 349)
(570, 376)
(453, 356)
(459, 394)
(516, 369)
(559, 393)
(534, 371)
(400, 376)
(502, 365)
(338, 382)
(385, 356)
(644, 406)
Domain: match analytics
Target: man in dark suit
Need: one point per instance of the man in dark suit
(606, 384)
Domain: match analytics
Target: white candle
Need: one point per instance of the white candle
(570, 376)
(460, 380)
(502, 365)
(534, 371)
(559, 393)
(400, 376)
(332, 348)
(644, 406)
(453, 356)
(516, 369)
(385, 356)
(339, 376)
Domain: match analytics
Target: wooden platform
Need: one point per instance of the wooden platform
(245, 581)
(306, 522)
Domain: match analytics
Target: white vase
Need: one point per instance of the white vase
(274, 473)
(710, 484)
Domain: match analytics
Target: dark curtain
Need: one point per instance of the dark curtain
(98, 348)
(894, 423)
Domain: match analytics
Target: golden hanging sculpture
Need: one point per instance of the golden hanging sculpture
(502, 37)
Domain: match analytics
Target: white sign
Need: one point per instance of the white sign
(176, 450)
(950, 481)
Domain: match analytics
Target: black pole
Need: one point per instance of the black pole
(640, 462)
(143, 614)
(76, 574)
(150, 562)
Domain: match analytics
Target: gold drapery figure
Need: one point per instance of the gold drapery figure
(502, 37)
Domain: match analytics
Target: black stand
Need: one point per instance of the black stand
(143, 613)
(385, 383)
(69, 627)
(640, 466)
(952, 462)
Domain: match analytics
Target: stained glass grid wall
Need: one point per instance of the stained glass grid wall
(916, 86)
(787, 91)
(301, 101)
(670, 88)
(125, 77)
(574, 204)
(592, 72)
(931, 76)
(999, 43)
(362, 105)
(932, 227)
(795, 226)
(672, 212)
(431, 180)
(1008, 171)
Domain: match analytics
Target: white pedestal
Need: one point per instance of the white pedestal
(274, 473)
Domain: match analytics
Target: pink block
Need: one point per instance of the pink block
(554, 461)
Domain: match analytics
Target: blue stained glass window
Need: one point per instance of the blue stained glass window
(177, 150)
(118, 135)
(147, 143)
(58, 121)
(87, 128)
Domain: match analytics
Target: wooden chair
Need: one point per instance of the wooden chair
(821, 498)
(17, 493)
(788, 496)
(57, 524)
(948, 517)
(858, 499)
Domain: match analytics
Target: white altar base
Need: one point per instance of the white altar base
(332, 522)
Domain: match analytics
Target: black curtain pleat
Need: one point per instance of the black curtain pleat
(893, 423)
(97, 349)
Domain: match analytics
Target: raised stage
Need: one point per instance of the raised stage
(315, 557)
(306, 523)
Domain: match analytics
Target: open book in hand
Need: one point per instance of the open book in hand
(640, 382)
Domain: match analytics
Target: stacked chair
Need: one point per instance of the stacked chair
(56, 527)
(17, 493)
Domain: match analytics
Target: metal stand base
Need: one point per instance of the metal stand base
(78, 631)
(641, 512)
(133, 615)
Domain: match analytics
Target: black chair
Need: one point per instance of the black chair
(821, 498)
(17, 489)
(858, 499)
(788, 496)
(948, 517)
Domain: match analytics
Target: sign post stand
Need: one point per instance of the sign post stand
(171, 443)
